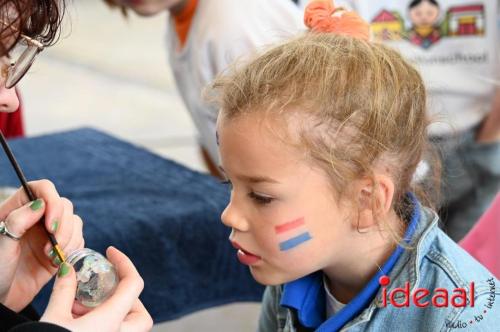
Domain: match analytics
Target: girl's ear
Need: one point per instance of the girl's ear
(374, 200)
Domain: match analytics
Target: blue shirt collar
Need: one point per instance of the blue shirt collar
(307, 296)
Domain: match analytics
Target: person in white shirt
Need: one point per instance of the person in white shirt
(205, 36)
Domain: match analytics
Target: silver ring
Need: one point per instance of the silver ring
(5, 231)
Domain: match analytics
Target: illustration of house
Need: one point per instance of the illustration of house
(466, 20)
(387, 26)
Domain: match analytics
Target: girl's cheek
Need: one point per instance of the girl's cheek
(291, 234)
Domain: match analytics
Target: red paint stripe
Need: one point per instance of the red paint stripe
(289, 225)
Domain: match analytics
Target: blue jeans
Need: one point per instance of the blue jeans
(470, 180)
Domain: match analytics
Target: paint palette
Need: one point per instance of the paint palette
(96, 276)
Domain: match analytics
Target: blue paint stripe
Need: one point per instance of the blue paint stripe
(295, 241)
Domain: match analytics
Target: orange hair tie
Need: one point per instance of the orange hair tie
(322, 16)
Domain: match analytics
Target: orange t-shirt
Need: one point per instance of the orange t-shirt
(183, 19)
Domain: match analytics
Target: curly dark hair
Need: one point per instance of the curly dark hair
(38, 19)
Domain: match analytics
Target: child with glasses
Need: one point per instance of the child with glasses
(28, 260)
(319, 139)
(204, 36)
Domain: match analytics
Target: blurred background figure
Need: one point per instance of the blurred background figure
(110, 74)
(482, 241)
(205, 36)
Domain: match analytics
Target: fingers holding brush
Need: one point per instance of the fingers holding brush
(43, 190)
(15, 223)
(68, 232)
(22, 239)
(55, 205)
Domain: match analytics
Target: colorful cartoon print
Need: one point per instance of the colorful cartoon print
(425, 27)
(424, 16)
(466, 20)
(387, 26)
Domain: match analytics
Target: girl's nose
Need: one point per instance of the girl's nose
(9, 102)
(232, 218)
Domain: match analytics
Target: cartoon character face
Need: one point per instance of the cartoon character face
(424, 13)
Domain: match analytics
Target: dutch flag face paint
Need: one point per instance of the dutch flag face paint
(291, 234)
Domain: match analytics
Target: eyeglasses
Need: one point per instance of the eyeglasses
(22, 57)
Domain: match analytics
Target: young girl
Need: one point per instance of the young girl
(320, 138)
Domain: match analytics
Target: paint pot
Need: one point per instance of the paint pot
(96, 276)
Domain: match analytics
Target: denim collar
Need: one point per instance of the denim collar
(306, 295)
(407, 268)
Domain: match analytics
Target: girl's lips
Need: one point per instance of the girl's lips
(247, 258)
(244, 256)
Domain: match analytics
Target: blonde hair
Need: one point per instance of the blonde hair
(365, 104)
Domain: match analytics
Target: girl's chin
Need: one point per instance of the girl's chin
(268, 278)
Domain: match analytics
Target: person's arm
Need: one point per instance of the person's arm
(38, 327)
(14, 322)
(28, 263)
(490, 129)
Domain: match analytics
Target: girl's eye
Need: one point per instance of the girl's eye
(259, 199)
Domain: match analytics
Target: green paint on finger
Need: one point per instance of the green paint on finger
(36, 205)
(63, 270)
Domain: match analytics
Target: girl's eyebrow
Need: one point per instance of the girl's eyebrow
(250, 178)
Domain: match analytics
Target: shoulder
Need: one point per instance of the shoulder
(484, 312)
(446, 256)
(439, 259)
(449, 288)
(17, 322)
(471, 292)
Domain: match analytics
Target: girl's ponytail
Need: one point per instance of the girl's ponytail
(322, 16)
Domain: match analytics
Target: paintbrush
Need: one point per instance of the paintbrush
(30, 195)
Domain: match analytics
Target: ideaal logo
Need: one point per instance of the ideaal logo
(439, 298)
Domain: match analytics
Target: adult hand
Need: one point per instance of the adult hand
(28, 264)
(123, 311)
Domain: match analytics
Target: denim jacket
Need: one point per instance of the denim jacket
(433, 261)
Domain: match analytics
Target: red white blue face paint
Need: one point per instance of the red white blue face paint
(292, 234)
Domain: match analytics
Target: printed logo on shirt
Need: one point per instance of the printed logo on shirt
(428, 23)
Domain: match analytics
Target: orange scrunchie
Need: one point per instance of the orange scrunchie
(318, 17)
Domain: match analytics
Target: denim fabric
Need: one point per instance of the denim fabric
(434, 262)
(470, 180)
(165, 217)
